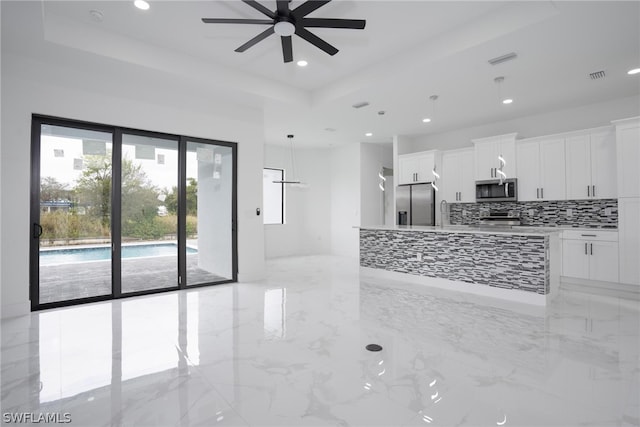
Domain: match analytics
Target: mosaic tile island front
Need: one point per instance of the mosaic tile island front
(517, 260)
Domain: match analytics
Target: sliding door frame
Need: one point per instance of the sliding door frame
(117, 133)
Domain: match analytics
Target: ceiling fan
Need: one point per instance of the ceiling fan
(286, 22)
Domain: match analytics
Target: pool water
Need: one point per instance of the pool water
(70, 256)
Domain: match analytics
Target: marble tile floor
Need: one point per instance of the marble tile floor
(289, 351)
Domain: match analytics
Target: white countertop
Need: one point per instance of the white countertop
(520, 231)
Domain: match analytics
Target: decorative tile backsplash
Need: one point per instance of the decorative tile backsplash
(573, 213)
(508, 261)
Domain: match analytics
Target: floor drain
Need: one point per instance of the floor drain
(374, 347)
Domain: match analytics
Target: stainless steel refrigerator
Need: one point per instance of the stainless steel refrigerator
(415, 204)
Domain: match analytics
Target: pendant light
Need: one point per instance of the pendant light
(293, 180)
(504, 99)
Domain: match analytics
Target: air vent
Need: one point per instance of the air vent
(503, 58)
(597, 75)
(360, 104)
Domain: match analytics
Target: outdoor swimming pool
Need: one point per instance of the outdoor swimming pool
(75, 255)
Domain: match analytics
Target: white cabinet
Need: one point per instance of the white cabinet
(487, 151)
(541, 170)
(591, 255)
(591, 165)
(629, 244)
(458, 178)
(628, 156)
(416, 167)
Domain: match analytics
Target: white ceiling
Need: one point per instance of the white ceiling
(408, 51)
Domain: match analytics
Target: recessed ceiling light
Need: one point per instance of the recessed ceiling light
(426, 120)
(141, 4)
(507, 101)
(634, 71)
(368, 134)
(302, 63)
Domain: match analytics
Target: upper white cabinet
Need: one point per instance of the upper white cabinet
(591, 165)
(416, 167)
(541, 170)
(458, 178)
(487, 151)
(628, 155)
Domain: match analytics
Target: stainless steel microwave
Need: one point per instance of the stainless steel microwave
(493, 191)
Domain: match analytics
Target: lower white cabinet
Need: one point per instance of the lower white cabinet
(629, 245)
(590, 255)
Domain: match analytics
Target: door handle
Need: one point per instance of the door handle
(585, 249)
(591, 244)
(588, 191)
(593, 190)
(537, 193)
(542, 193)
(37, 230)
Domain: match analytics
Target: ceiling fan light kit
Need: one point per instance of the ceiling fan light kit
(285, 22)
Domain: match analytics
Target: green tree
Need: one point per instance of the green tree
(51, 189)
(139, 195)
(171, 198)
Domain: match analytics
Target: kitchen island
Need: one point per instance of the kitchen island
(520, 264)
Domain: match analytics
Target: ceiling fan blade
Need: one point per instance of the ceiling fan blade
(260, 8)
(307, 7)
(263, 35)
(316, 41)
(356, 24)
(287, 49)
(283, 7)
(236, 21)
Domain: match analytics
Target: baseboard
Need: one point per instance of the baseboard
(15, 310)
(614, 289)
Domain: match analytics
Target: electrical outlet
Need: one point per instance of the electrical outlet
(419, 256)
(464, 213)
(607, 211)
(532, 212)
(569, 213)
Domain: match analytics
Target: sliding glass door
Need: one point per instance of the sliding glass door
(149, 217)
(118, 212)
(72, 211)
(209, 213)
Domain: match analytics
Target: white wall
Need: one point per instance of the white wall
(582, 117)
(308, 210)
(29, 86)
(372, 158)
(345, 200)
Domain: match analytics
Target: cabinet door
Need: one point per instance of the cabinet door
(603, 261)
(407, 169)
(603, 165)
(578, 167)
(629, 240)
(552, 170)
(628, 155)
(486, 160)
(425, 164)
(528, 158)
(467, 177)
(450, 175)
(575, 258)
(507, 149)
